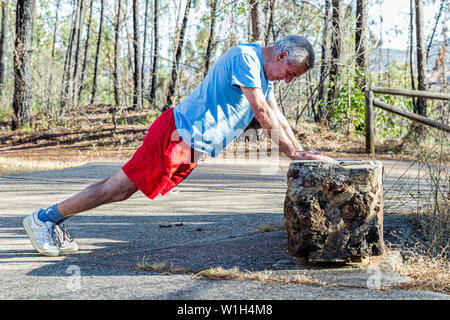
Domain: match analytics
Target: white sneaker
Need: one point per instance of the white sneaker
(41, 235)
(64, 240)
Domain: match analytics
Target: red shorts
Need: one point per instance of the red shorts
(163, 160)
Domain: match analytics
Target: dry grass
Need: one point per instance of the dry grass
(428, 262)
(430, 273)
(219, 273)
(427, 273)
(433, 224)
(265, 276)
(11, 165)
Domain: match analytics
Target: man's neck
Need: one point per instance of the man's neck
(267, 55)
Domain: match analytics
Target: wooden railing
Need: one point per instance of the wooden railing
(371, 102)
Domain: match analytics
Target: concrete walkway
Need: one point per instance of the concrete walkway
(225, 214)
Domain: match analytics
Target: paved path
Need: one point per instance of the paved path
(224, 209)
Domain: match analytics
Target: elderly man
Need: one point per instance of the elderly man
(236, 88)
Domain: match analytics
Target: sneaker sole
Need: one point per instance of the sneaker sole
(69, 250)
(27, 228)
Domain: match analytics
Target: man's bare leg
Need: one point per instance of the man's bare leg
(116, 188)
(43, 226)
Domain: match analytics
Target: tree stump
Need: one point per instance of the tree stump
(334, 211)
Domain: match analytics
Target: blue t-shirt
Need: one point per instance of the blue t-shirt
(217, 112)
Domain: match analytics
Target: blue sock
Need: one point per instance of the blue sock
(51, 214)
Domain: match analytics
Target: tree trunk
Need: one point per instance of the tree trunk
(22, 62)
(336, 47)
(99, 44)
(144, 52)
(50, 81)
(411, 49)
(269, 28)
(130, 56)
(266, 9)
(154, 79)
(421, 102)
(66, 79)
(76, 73)
(442, 57)
(211, 35)
(380, 44)
(255, 19)
(434, 29)
(3, 26)
(324, 66)
(361, 42)
(116, 55)
(137, 59)
(174, 76)
(255, 36)
(86, 46)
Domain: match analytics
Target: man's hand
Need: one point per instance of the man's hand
(310, 154)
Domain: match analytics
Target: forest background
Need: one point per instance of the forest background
(60, 56)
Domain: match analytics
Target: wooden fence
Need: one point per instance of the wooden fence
(371, 102)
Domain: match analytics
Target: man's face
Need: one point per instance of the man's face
(278, 69)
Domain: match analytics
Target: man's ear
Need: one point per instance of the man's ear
(282, 56)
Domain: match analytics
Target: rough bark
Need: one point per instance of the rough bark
(50, 80)
(411, 49)
(76, 69)
(211, 35)
(336, 48)
(66, 79)
(154, 78)
(97, 55)
(421, 102)
(137, 83)
(144, 51)
(116, 80)
(323, 82)
(269, 27)
(22, 63)
(3, 26)
(255, 20)
(86, 46)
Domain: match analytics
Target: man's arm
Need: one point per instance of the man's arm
(269, 121)
(283, 122)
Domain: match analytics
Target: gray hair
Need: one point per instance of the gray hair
(299, 49)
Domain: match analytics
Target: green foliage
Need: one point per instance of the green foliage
(234, 7)
(348, 109)
(390, 125)
(347, 113)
